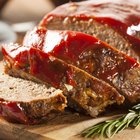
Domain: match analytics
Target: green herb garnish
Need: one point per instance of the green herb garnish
(109, 128)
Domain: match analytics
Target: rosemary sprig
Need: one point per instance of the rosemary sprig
(109, 128)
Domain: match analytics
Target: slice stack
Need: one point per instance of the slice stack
(27, 102)
(73, 67)
(92, 55)
(84, 92)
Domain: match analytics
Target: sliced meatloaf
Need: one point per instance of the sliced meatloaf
(85, 93)
(28, 102)
(115, 22)
(92, 55)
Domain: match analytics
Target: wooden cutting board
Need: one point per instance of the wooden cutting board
(63, 127)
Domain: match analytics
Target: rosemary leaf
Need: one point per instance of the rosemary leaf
(109, 128)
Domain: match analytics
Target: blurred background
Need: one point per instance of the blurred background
(27, 10)
(19, 16)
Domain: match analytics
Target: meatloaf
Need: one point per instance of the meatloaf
(115, 22)
(92, 55)
(28, 102)
(84, 92)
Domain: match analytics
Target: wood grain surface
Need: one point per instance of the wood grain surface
(66, 126)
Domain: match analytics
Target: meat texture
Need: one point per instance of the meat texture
(92, 55)
(84, 92)
(115, 22)
(26, 102)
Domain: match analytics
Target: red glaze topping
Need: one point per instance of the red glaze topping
(45, 67)
(13, 112)
(122, 15)
(84, 51)
(41, 65)
(16, 54)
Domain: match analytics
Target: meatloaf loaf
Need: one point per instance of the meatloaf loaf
(28, 102)
(115, 22)
(84, 92)
(92, 55)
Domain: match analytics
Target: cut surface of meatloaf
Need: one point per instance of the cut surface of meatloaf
(92, 55)
(115, 22)
(84, 92)
(26, 102)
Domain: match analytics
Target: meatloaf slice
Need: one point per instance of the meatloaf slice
(85, 93)
(92, 55)
(115, 22)
(28, 102)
